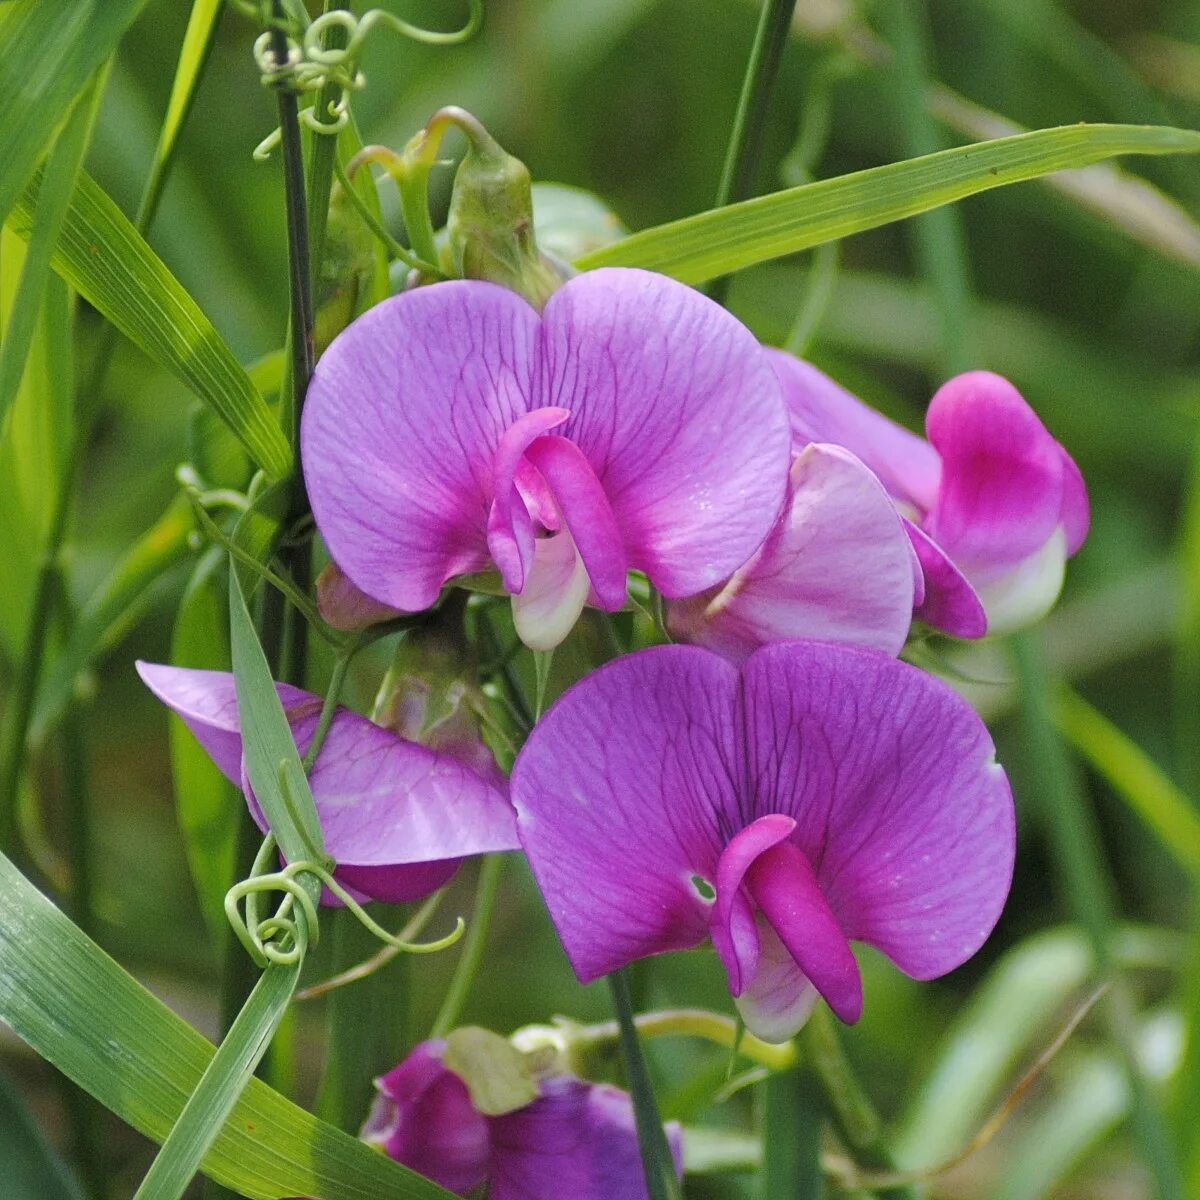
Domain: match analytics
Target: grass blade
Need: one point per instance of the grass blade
(49, 53)
(78, 1009)
(728, 239)
(102, 256)
(32, 1171)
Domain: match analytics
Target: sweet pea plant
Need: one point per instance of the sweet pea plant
(658, 614)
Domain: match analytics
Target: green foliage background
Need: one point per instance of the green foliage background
(1096, 321)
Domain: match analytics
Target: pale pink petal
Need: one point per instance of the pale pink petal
(673, 403)
(556, 590)
(779, 998)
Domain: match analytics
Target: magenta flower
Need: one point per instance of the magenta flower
(575, 1140)
(993, 504)
(633, 424)
(837, 566)
(819, 795)
(398, 818)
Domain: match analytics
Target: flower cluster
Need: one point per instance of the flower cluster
(785, 785)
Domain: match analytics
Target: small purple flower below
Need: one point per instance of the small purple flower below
(575, 1140)
(632, 424)
(993, 504)
(821, 794)
(398, 818)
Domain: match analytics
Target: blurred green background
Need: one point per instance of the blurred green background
(1094, 318)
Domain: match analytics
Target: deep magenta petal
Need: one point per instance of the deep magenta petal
(578, 1140)
(836, 567)
(675, 407)
(620, 792)
(821, 410)
(423, 1118)
(1001, 494)
(587, 514)
(786, 890)
(1076, 515)
(950, 603)
(900, 807)
(733, 923)
(401, 424)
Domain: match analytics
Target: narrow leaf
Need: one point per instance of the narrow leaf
(78, 1009)
(728, 239)
(49, 52)
(1133, 775)
(226, 1076)
(110, 264)
(32, 1171)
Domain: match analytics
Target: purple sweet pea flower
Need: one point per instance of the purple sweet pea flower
(632, 424)
(576, 1139)
(838, 566)
(994, 505)
(819, 795)
(397, 817)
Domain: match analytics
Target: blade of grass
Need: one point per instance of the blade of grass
(662, 1183)
(101, 254)
(793, 1113)
(78, 1009)
(728, 239)
(49, 53)
(32, 1170)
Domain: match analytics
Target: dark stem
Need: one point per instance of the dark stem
(750, 120)
(662, 1183)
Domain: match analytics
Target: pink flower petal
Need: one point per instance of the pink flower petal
(619, 792)
(401, 424)
(1001, 495)
(837, 567)
(823, 411)
(675, 407)
(950, 604)
(780, 997)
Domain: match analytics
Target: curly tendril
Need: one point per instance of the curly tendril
(311, 64)
(283, 938)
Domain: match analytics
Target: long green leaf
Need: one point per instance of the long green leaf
(113, 609)
(62, 165)
(49, 52)
(208, 1107)
(728, 239)
(193, 54)
(108, 262)
(1135, 777)
(268, 746)
(78, 1009)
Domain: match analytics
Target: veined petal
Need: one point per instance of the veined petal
(900, 807)
(578, 1140)
(403, 419)
(821, 410)
(1002, 491)
(207, 703)
(836, 567)
(621, 792)
(950, 603)
(395, 816)
(780, 998)
(675, 407)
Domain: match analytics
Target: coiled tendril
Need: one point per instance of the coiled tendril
(284, 936)
(312, 65)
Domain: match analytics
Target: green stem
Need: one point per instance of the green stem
(336, 680)
(793, 1112)
(853, 1114)
(750, 120)
(325, 145)
(662, 1183)
(472, 950)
